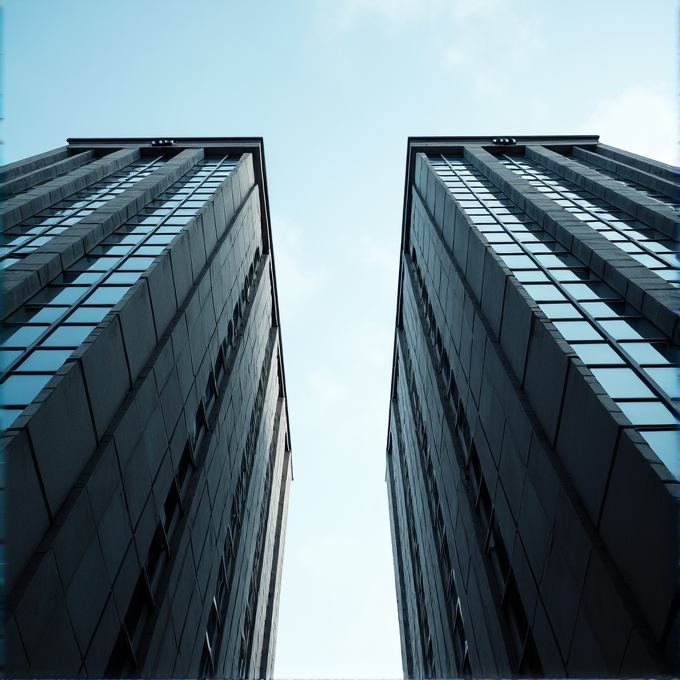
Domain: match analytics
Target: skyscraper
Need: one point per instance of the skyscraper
(531, 455)
(145, 415)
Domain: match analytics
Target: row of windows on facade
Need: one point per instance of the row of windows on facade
(27, 236)
(498, 565)
(646, 245)
(447, 573)
(42, 334)
(630, 357)
(588, 159)
(214, 633)
(128, 655)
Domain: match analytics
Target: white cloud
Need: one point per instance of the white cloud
(641, 119)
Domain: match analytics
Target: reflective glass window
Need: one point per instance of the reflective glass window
(577, 330)
(45, 360)
(621, 383)
(596, 353)
(21, 390)
(646, 413)
(645, 353)
(666, 378)
(20, 337)
(88, 314)
(560, 310)
(107, 295)
(544, 292)
(67, 336)
(665, 444)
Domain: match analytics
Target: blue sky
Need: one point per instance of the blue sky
(335, 87)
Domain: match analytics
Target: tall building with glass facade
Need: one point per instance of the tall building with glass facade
(532, 459)
(144, 411)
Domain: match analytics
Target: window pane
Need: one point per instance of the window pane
(594, 353)
(94, 264)
(107, 295)
(8, 416)
(68, 336)
(50, 360)
(665, 378)
(577, 330)
(518, 262)
(547, 292)
(665, 445)
(644, 353)
(631, 329)
(136, 264)
(646, 413)
(621, 383)
(604, 310)
(21, 390)
(54, 295)
(88, 314)
(590, 291)
(560, 311)
(123, 277)
(532, 276)
(36, 314)
(20, 337)
(7, 357)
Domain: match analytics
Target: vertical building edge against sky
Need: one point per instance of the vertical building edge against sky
(532, 443)
(144, 410)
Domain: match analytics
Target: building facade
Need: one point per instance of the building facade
(532, 461)
(145, 417)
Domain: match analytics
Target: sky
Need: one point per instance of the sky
(335, 88)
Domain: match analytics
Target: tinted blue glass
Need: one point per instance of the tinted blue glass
(626, 330)
(157, 240)
(50, 360)
(602, 310)
(67, 336)
(644, 353)
(621, 383)
(54, 295)
(88, 314)
(665, 378)
(518, 262)
(136, 264)
(80, 278)
(577, 330)
(123, 277)
(21, 390)
(560, 310)
(7, 356)
(8, 416)
(149, 250)
(596, 353)
(535, 275)
(665, 444)
(21, 337)
(107, 295)
(94, 264)
(544, 293)
(36, 314)
(646, 412)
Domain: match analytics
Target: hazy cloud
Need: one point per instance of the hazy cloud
(642, 119)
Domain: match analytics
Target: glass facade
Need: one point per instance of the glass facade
(627, 182)
(39, 337)
(633, 361)
(649, 247)
(26, 237)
